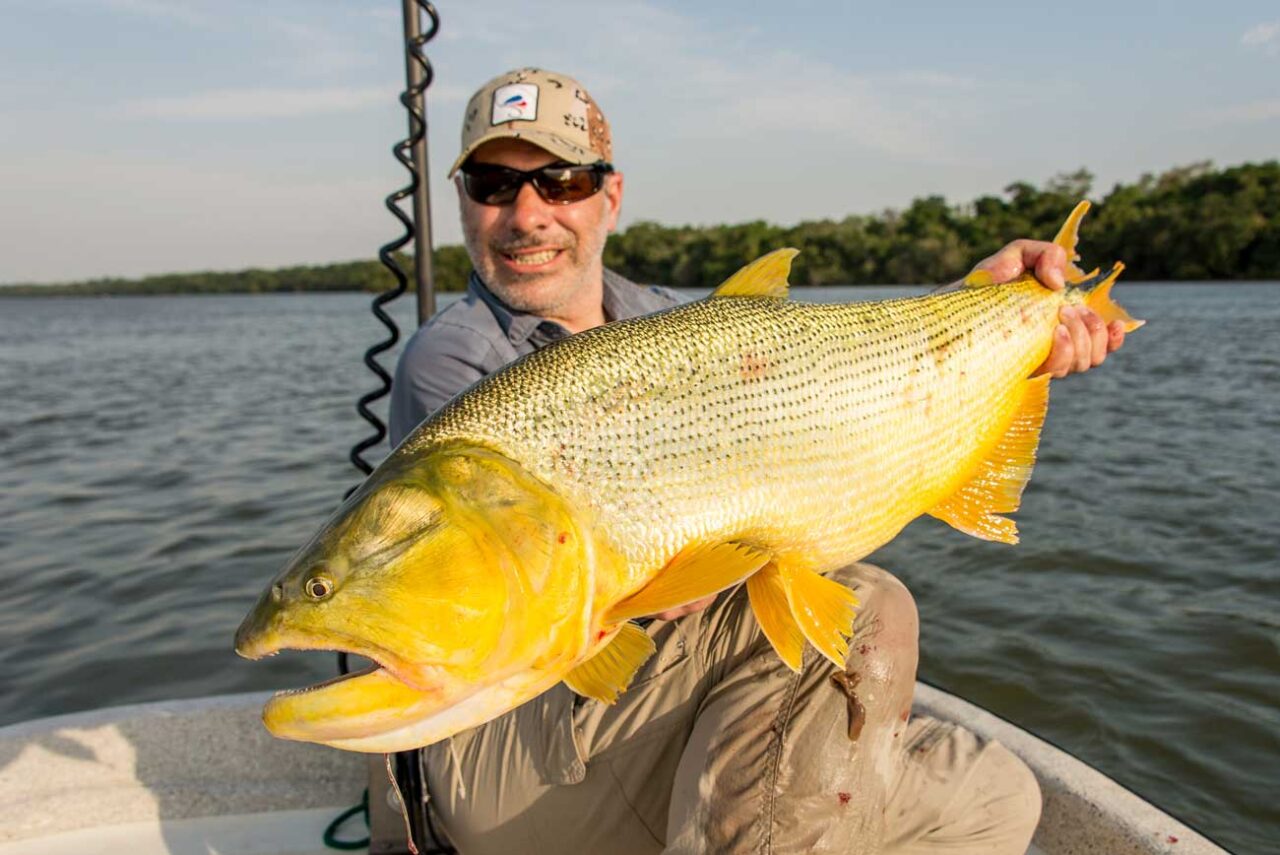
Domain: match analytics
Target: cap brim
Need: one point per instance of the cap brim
(557, 145)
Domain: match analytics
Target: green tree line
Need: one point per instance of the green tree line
(1192, 222)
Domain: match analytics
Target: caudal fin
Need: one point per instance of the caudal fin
(1099, 299)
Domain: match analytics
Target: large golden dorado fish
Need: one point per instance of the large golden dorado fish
(645, 464)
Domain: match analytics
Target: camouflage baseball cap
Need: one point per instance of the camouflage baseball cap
(552, 111)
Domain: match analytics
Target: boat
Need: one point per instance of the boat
(202, 776)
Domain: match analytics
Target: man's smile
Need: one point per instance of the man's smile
(531, 260)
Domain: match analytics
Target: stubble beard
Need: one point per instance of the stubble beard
(541, 294)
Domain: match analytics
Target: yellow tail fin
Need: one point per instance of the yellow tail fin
(1099, 299)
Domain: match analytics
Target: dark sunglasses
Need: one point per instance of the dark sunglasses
(558, 184)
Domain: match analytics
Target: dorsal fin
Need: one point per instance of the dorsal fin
(764, 277)
(1067, 238)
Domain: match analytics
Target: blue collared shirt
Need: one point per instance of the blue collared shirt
(479, 334)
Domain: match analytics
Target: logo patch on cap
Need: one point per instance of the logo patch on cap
(515, 102)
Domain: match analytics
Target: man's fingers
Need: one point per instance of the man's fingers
(1080, 340)
(1005, 266)
(1097, 336)
(687, 609)
(1050, 262)
(1046, 260)
(1058, 363)
(1115, 336)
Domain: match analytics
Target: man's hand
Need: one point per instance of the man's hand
(686, 609)
(1081, 340)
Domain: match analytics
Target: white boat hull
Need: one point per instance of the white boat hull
(203, 776)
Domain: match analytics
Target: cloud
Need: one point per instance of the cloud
(136, 215)
(702, 88)
(165, 9)
(1264, 37)
(1254, 111)
(238, 104)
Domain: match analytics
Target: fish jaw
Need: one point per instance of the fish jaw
(355, 706)
(483, 705)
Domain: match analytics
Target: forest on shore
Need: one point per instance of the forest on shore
(1194, 222)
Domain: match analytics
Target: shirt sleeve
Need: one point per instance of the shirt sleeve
(438, 362)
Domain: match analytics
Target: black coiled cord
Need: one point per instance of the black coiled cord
(403, 152)
(386, 254)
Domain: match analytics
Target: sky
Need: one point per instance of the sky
(150, 136)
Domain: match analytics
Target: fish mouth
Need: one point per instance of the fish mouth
(265, 647)
(357, 705)
(326, 683)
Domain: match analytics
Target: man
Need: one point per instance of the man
(717, 746)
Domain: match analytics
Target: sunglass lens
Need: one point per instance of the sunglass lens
(560, 185)
(563, 185)
(492, 186)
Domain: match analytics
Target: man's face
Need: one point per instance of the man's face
(535, 256)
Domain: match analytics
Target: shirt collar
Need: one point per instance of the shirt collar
(622, 299)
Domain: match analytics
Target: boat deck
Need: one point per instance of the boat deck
(203, 776)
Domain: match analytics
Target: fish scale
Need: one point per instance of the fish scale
(640, 466)
(699, 422)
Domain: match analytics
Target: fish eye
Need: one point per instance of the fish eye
(318, 587)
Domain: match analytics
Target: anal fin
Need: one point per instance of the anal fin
(996, 487)
(697, 571)
(608, 673)
(773, 612)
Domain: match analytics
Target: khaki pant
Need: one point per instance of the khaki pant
(718, 747)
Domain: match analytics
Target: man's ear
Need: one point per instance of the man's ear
(613, 195)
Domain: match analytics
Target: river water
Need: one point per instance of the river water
(161, 457)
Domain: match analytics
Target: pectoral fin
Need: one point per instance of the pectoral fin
(996, 487)
(696, 572)
(823, 610)
(608, 673)
(773, 613)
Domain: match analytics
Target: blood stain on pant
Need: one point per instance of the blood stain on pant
(844, 798)
(847, 683)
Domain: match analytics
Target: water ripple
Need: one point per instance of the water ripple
(147, 492)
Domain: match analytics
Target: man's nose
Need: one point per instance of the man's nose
(528, 210)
